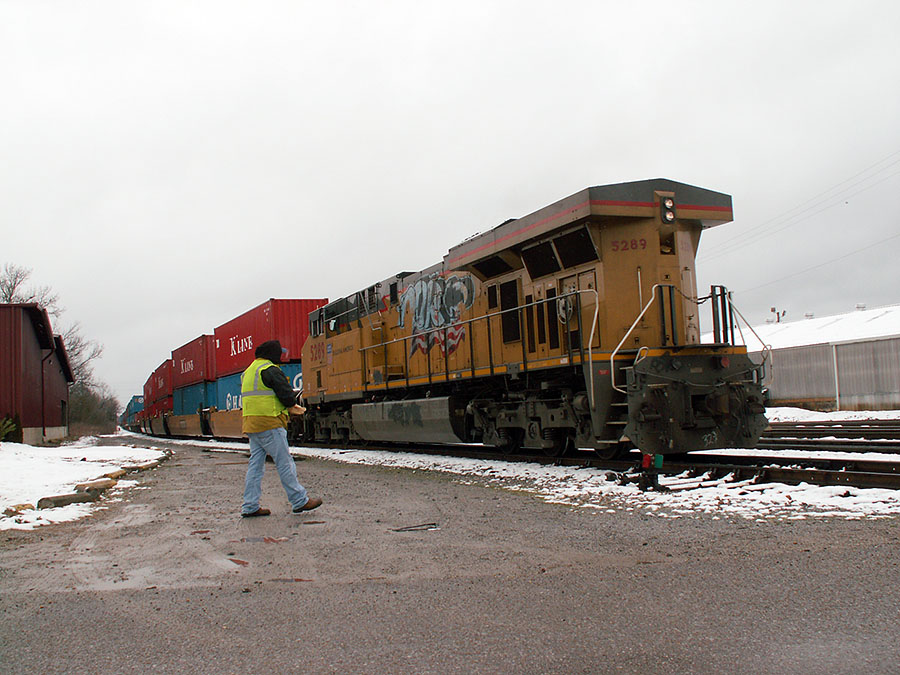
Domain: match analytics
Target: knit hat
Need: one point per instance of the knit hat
(270, 350)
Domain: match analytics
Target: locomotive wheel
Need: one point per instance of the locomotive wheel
(616, 451)
(561, 445)
(510, 440)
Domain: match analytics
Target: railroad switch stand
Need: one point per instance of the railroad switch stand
(651, 467)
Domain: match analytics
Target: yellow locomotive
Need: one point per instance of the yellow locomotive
(574, 327)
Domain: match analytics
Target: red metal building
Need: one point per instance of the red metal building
(34, 375)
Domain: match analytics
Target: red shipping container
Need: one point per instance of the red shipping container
(164, 405)
(148, 393)
(194, 362)
(162, 381)
(283, 320)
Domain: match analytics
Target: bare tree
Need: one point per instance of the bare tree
(14, 289)
(81, 353)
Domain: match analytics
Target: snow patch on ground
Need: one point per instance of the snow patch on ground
(31, 473)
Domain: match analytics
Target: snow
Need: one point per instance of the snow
(31, 473)
(865, 324)
(799, 415)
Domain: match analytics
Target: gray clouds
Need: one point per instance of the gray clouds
(159, 156)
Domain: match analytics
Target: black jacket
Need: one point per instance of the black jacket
(275, 379)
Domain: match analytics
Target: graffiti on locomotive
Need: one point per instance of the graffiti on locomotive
(434, 305)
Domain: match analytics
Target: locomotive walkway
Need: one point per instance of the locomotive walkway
(415, 572)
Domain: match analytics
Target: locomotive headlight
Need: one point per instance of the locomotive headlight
(667, 209)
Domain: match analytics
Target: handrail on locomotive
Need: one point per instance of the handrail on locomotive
(723, 308)
(486, 317)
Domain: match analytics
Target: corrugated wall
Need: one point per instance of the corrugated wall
(868, 375)
(10, 361)
(801, 374)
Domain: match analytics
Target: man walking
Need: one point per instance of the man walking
(268, 399)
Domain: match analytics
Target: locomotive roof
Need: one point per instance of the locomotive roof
(639, 199)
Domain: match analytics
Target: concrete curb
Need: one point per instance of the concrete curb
(91, 491)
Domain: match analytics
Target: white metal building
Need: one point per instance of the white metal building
(843, 362)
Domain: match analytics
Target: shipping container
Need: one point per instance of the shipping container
(194, 362)
(162, 382)
(228, 392)
(191, 399)
(148, 394)
(164, 405)
(283, 320)
(228, 389)
(134, 406)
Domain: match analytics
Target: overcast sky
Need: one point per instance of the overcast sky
(165, 166)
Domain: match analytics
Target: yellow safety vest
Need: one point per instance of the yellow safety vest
(258, 399)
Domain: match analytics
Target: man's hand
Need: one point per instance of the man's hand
(297, 410)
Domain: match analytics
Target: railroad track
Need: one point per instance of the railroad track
(745, 467)
(854, 429)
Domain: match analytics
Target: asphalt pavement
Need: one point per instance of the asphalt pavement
(404, 571)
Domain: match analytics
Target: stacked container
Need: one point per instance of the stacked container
(160, 397)
(193, 385)
(131, 416)
(235, 342)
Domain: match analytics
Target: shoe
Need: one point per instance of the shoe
(312, 503)
(254, 514)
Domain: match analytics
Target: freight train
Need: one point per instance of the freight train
(576, 327)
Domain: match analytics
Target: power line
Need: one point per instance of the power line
(827, 262)
(838, 191)
(735, 244)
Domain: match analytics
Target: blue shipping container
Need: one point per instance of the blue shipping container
(188, 400)
(228, 393)
(135, 405)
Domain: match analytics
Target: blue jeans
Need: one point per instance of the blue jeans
(273, 443)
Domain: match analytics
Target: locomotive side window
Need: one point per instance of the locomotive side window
(509, 320)
(492, 297)
(552, 319)
(576, 248)
(337, 316)
(541, 326)
(395, 297)
(492, 267)
(529, 323)
(540, 260)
